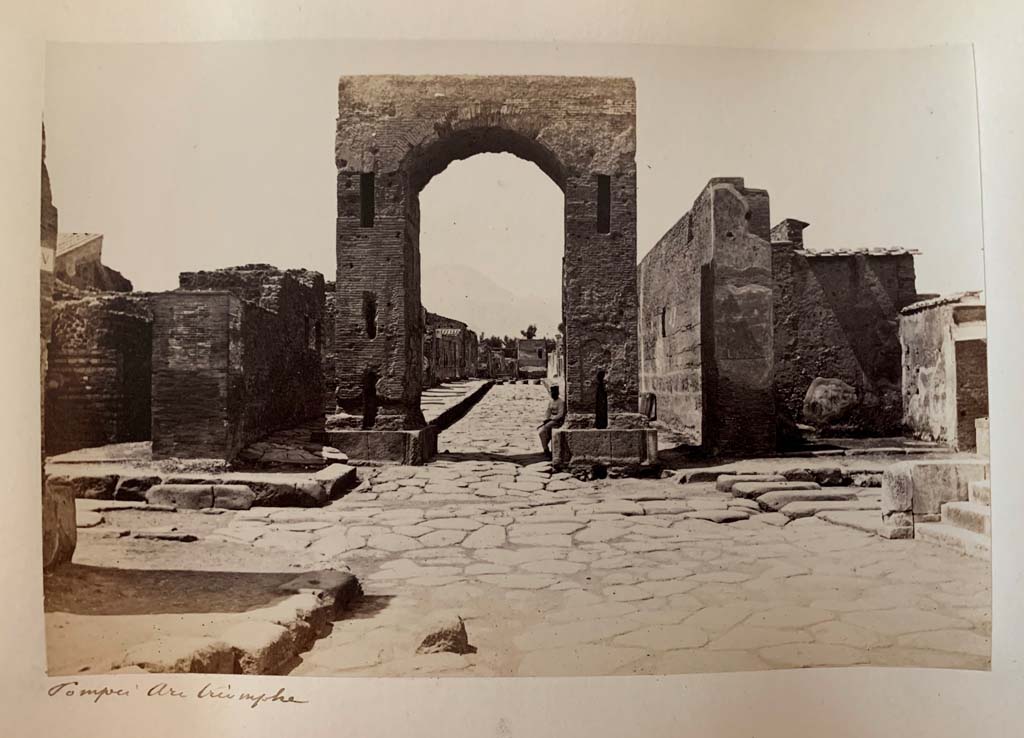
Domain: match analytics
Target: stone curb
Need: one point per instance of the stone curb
(268, 643)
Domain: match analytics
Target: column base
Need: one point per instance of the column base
(410, 447)
(632, 450)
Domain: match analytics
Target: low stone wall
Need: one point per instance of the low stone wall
(98, 373)
(914, 492)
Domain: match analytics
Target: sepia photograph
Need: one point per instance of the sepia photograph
(368, 359)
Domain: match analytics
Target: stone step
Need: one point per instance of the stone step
(777, 499)
(750, 490)
(726, 482)
(980, 492)
(806, 508)
(966, 542)
(972, 516)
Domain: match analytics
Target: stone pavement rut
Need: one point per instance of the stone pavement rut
(554, 576)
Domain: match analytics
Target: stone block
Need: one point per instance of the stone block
(923, 486)
(982, 437)
(751, 490)
(83, 485)
(233, 496)
(60, 535)
(182, 496)
(725, 482)
(412, 447)
(337, 479)
(612, 447)
(134, 487)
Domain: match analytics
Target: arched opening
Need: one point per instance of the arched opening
(491, 244)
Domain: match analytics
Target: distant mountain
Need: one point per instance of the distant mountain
(464, 293)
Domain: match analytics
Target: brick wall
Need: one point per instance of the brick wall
(705, 322)
(403, 131)
(98, 375)
(245, 366)
(328, 353)
(836, 317)
(971, 390)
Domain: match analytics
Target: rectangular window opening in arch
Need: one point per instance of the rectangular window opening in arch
(604, 203)
(366, 200)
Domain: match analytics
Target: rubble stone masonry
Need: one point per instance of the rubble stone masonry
(836, 317)
(945, 369)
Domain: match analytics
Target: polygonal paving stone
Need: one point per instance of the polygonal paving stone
(789, 617)
(552, 567)
(664, 637)
(549, 540)
(844, 634)
(518, 581)
(442, 538)
(902, 620)
(578, 661)
(392, 542)
(747, 637)
(701, 661)
(954, 641)
(571, 633)
(801, 655)
(716, 619)
(489, 536)
(466, 524)
(627, 593)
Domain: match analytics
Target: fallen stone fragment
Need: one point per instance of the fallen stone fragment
(444, 633)
(831, 476)
(182, 496)
(233, 496)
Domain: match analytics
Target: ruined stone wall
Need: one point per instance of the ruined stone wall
(48, 250)
(395, 133)
(705, 322)
(98, 378)
(944, 369)
(328, 353)
(836, 318)
(247, 368)
(531, 356)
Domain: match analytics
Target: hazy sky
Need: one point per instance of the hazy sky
(201, 156)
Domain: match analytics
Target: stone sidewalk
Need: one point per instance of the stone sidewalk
(554, 576)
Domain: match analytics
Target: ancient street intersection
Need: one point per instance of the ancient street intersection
(556, 576)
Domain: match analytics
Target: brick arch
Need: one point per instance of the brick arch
(395, 133)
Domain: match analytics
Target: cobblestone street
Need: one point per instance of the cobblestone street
(556, 576)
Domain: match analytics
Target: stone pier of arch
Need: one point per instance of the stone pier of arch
(394, 134)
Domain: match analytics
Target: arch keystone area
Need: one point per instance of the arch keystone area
(397, 132)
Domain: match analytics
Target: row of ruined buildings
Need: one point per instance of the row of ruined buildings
(749, 338)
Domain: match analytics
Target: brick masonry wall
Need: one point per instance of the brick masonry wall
(705, 325)
(971, 390)
(527, 358)
(328, 353)
(838, 317)
(405, 130)
(259, 364)
(190, 405)
(98, 377)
